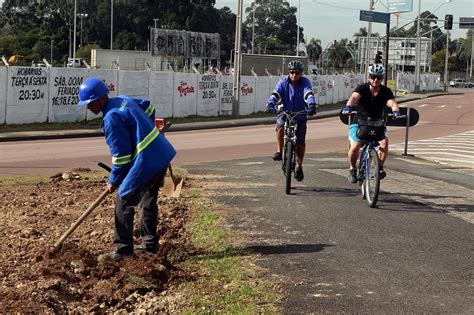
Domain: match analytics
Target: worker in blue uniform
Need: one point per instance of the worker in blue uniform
(140, 157)
(295, 93)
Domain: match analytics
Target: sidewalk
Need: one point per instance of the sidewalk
(96, 132)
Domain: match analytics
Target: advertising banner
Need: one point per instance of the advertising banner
(64, 94)
(27, 95)
(184, 94)
(161, 93)
(226, 84)
(208, 95)
(110, 78)
(247, 95)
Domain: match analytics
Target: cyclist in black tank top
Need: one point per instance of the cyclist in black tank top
(371, 98)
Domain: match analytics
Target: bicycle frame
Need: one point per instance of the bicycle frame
(289, 146)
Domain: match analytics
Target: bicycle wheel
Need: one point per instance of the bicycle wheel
(288, 166)
(362, 181)
(372, 179)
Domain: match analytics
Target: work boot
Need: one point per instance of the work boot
(299, 176)
(142, 248)
(352, 176)
(276, 156)
(382, 173)
(114, 256)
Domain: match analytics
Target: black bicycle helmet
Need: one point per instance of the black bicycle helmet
(295, 65)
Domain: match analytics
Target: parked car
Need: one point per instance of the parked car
(461, 83)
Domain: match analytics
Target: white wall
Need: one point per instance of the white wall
(3, 94)
(50, 94)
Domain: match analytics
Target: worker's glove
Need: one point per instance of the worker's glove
(397, 114)
(271, 109)
(311, 110)
(347, 110)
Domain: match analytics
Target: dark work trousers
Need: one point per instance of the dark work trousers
(125, 211)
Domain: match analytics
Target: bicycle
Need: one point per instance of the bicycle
(289, 145)
(369, 169)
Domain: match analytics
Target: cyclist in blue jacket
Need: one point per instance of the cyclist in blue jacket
(295, 92)
(140, 157)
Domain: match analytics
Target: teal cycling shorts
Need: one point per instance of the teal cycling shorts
(353, 133)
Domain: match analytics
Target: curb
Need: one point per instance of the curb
(96, 132)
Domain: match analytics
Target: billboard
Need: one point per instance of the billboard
(175, 43)
(398, 6)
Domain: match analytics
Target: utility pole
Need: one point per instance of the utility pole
(298, 29)
(253, 25)
(472, 49)
(417, 51)
(237, 61)
(369, 35)
(446, 63)
(74, 46)
(111, 24)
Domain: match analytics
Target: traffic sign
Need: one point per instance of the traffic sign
(398, 6)
(372, 16)
(466, 22)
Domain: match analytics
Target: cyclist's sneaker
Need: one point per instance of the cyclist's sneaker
(382, 173)
(276, 156)
(299, 175)
(352, 176)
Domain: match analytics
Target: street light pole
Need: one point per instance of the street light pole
(82, 15)
(298, 28)
(253, 25)
(417, 50)
(237, 61)
(369, 35)
(74, 45)
(446, 62)
(111, 24)
(51, 59)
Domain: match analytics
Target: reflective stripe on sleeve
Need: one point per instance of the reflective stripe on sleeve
(120, 160)
(149, 110)
(146, 141)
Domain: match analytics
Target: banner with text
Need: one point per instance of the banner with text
(64, 94)
(208, 95)
(184, 99)
(247, 95)
(225, 92)
(27, 95)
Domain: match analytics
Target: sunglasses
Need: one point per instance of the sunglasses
(295, 72)
(378, 77)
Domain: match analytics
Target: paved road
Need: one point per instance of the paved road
(50, 156)
(411, 254)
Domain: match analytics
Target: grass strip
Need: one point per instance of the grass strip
(227, 281)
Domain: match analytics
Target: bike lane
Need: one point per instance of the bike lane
(332, 253)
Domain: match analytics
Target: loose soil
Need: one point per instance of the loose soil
(33, 218)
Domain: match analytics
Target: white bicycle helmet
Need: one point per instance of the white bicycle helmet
(376, 69)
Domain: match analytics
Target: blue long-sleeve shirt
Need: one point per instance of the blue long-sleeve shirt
(138, 149)
(293, 97)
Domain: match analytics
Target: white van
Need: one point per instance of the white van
(76, 63)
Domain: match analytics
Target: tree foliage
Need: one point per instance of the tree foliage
(275, 27)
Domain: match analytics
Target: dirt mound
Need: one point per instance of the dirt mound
(32, 219)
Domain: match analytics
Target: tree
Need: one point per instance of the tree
(314, 50)
(275, 26)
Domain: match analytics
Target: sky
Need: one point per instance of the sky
(328, 20)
